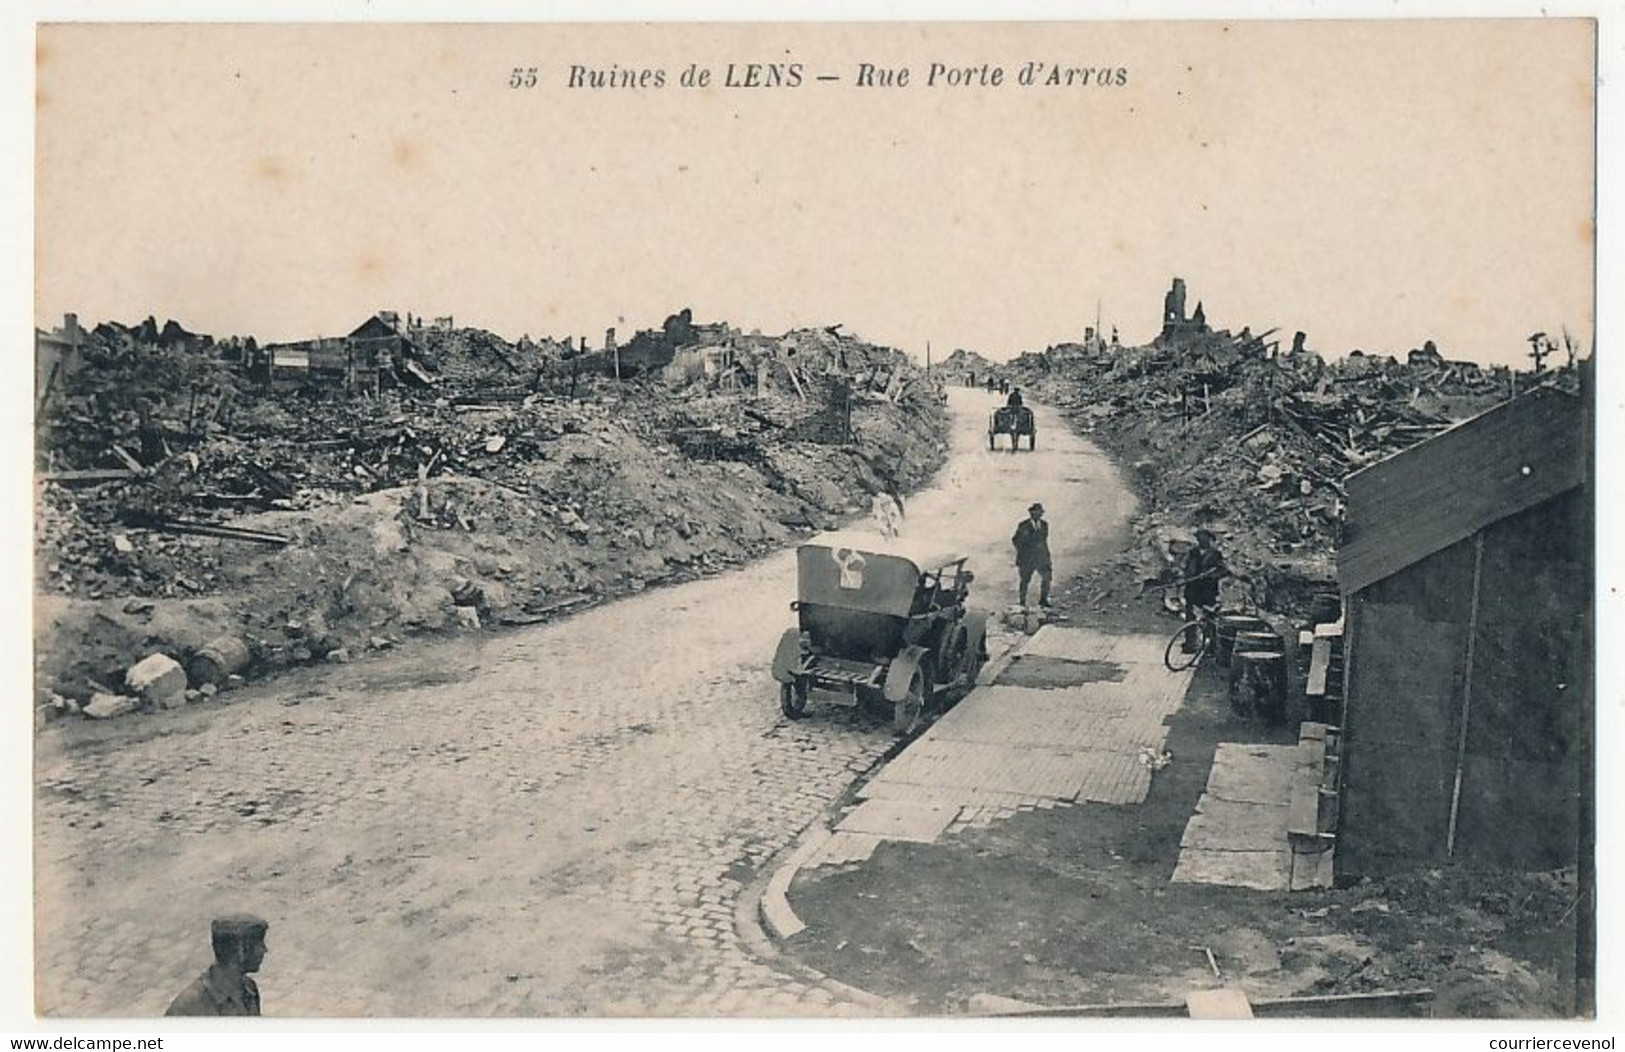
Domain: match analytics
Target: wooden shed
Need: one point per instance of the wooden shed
(1466, 573)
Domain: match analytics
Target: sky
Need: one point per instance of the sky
(1372, 184)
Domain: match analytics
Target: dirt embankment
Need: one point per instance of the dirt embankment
(452, 508)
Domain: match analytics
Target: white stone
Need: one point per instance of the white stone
(106, 706)
(158, 679)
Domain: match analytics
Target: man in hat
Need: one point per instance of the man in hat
(226, 989)
(1032, 553)
(1203, 570)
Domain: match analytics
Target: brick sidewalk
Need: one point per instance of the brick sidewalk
(1088, 734)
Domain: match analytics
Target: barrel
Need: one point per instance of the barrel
(1263, 640)
(216, 660)
(1325, 608)
(1225, 634)
(1258, 683)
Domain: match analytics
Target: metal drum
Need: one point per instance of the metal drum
(217, 660)
(1266, 641)
(1326, 608)
(1225, 634)
(1258, 683)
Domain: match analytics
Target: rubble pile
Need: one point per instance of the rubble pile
(471, 500)
(1234, 432)
(966, 365)
(467, 360)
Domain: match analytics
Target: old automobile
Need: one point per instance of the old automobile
(880, 624)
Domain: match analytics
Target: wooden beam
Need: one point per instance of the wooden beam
(1466, 695)
(91, 475)
(1320, 661)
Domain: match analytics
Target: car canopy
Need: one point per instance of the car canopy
(864, 571)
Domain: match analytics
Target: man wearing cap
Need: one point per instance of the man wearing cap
(226, 989)
(1032, 553)
(1204, 568)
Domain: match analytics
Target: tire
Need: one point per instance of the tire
(975, 658)
(1174, 656)
(909, 713)
(793, 699)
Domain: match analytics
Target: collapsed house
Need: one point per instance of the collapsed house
(58, 355)
(1466, 569)
(365, 361)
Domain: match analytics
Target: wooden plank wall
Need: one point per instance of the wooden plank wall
(1406, 669)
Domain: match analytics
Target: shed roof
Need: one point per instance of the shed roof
(1428, 497)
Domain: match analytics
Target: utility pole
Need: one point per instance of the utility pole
(928, 357)
(1539, 347)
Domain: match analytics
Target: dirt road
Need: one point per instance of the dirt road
(553, 821)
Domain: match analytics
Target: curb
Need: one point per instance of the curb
(776, 913)
(753, 908)
(763, 913)
(995, 668)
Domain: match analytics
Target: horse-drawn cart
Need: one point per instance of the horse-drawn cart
(1015, 421)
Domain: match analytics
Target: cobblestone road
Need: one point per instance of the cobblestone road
(557, 821)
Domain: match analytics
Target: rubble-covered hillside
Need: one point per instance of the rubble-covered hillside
(1253, 438)
(180, 499)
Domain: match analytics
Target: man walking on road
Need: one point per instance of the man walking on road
(1032, 554)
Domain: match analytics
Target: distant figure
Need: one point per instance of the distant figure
(1032, 554)
(888, 514)
(1004, 386)
(1015, 398)
(972, 381)
(226, 989)
(991, 382)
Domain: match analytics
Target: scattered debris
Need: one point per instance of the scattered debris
(179, 475)
(1234, 431)
(1155, 760)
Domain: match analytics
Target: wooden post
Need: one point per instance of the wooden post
(1466, 694)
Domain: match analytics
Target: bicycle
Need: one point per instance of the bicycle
(1183, 651)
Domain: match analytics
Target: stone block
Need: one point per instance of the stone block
(159, 680)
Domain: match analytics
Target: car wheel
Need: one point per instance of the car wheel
(909, 711)
(975, 658)
(793, 699)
